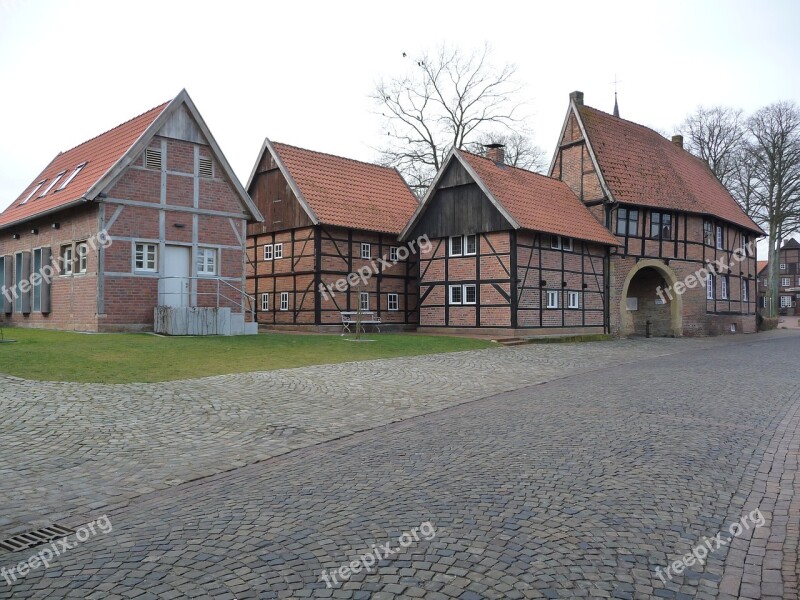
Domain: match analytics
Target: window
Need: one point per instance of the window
(724, 291)
(393, 254)
(720, 238)
(783, 266)
(456, 245)
(558, 243)
(632, 303)
(67, 260)
(566, 243)
(72, 176)
(205, 167)
(267, 251)
(798, 282)
(555, 242)
(284, 300)
(82, 251)
(363, 300)
(710, 287)
(278, 251)
(745, 245)
(455, 294)
(708, 233)
(627, 221)
(470, 245)
(786, 301)
(393, 302)
(660, 226)
(745, 291)
(265, 302)
(18, 275)
(469, 294)
(552, 299)
(573, 300)
(786, 281)
(37, 282)
(764, 282)
(206, 261)
(152, 159)
(145, 258)
(52, 184)
(33, 191)
(366, 251)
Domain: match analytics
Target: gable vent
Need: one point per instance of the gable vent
(152, 159)
(205, 167)
(35, 538)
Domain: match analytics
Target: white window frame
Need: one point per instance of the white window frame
(555, 242)
(82, 257)
(552, 299)
(573, 299)
(466, 287)
(146, 247)
(284, 301)
(566, 244)
(206, 261)
(720, 238)
(786, 281)
(363, 301)
(393, 302)
(265, 302)
(393, 254)
(67, 257)
(72, 176)
(745, 291)
(455, 288)
(782, 266)
(723, 295)
(33, 191)
(267, 252)
(52, 184)
(277, 251)
(366, 250)
(786, 301)
(460, 239)
(465, 246)
(710, 291)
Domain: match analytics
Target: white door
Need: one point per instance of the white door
(175, 290)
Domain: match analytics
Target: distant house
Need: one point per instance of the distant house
(788, 278)
(327, 217)
(511, 250)
(144, 215)
(675, 225)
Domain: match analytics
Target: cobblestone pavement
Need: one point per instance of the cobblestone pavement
(579, 487)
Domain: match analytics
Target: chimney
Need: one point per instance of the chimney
(496, 153)
(577, 97)
(678, 141)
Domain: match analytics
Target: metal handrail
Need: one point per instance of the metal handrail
(245, 297)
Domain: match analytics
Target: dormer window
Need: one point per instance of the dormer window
(72, 176)
(52, 184)
(33, 191)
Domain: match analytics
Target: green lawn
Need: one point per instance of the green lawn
(126, 358)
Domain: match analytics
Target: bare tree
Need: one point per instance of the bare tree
(716, 135)
(446, 100)
(774, 153)
(520, 149)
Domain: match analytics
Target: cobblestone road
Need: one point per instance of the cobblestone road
(582, 486)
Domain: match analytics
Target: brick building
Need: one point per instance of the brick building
(673, 220)
(325, 218)
(511, 251)
(788, 279)
(146, 214)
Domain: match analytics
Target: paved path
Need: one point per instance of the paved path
(579, 487)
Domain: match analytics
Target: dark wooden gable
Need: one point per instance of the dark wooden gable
(275, 199)
(459, 206)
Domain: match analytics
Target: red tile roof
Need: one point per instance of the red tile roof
(761, 265)
(349, 193)
(539, 202)
(99, 153)
(640, 166)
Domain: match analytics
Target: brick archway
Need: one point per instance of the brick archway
(669, 279)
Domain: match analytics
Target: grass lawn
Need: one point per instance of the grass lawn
(125, 358)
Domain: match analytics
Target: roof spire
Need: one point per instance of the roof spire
(616, 106)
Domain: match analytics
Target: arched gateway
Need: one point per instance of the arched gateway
(641, 303)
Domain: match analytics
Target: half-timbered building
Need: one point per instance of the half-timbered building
(329, 241)
(685, 263)
(511, 251)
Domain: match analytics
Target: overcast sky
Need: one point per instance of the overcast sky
(300, 72)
